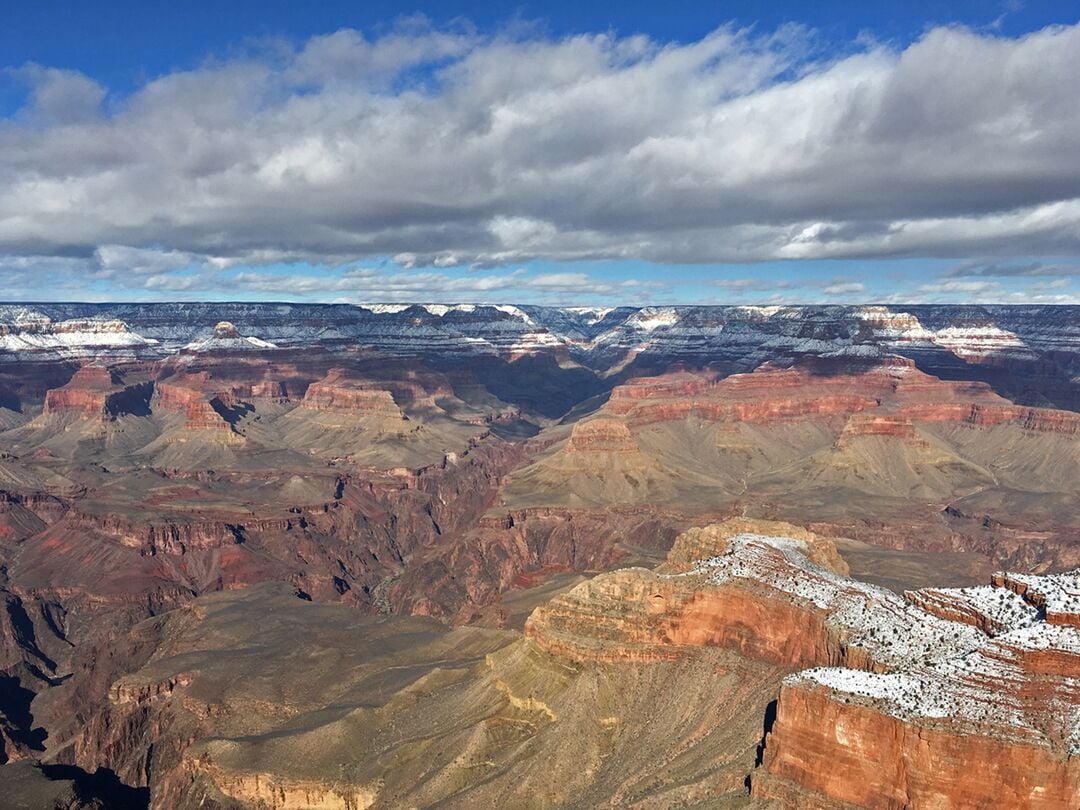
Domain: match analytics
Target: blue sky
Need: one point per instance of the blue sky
(540, 152)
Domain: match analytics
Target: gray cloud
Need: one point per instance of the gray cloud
(446, 147)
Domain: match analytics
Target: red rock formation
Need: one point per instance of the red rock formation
(640, 615)
(336, 392)
(456, 580)
(676, 384)
(1037, 419)
(897, 427)
(192, 396)
(1056, 596)
(912, 709)
(894, 392)
(601, 436)
(822, 751)
(701, 543)
(85, 394)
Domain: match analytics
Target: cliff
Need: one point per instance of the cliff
(939, 698)
(337, 393)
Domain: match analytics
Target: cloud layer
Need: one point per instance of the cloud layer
(442, 148)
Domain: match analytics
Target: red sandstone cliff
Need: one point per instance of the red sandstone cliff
(948, 698)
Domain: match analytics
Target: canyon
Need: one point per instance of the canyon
(279, 555)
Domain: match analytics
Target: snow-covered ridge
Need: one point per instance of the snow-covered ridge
(988, 668)
(888, 627)
(599, 337)
(32, 335)
(227, 338)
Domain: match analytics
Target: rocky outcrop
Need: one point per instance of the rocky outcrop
(888, 395)
(1041, 420)
(701, 543)
(227, 338)
(85, 394)
(901, 696)
(456, 581)
(825, 750)
(996, 723)
(276, 792)
(601, 436)
(339, 394)
(194, 397)
(94, 393)
(892, 426)
(1055, 596)
(723, 600)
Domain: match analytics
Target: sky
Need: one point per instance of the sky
(554, 153)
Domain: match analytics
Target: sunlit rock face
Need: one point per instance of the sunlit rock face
(943, 697)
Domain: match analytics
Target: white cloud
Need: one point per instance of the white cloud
(845, 288)
(444, 147)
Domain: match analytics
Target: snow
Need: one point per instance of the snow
(652, 318)
(1003, 609)
(517, 313)
(217, 344)
(766, 312)
(1057, 594)
(599, 337)
(888, 627)
(936, 669)
(591, 314)
(37, 337)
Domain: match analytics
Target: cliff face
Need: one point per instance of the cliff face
(763, 596)
(456, 581)
(86, 393)
(891, 391)
(993, 725)
(336, 393)
(822, 751)
(94, 393)
(193, 397)
(601, 436)
(902, 693)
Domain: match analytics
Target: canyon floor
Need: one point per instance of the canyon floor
(828, 563)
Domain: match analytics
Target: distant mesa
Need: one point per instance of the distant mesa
(226, 337)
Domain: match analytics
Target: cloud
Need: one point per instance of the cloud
(122, 258)
(442, 147)
(57, 97)
(750, 284)
(397, 284)
(845, 288)
(804, 289)
(965, 287)
(997, 270)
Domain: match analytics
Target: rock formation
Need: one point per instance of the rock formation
(337, 393)
(961, 697)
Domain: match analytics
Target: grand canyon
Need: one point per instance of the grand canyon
(430, 555)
